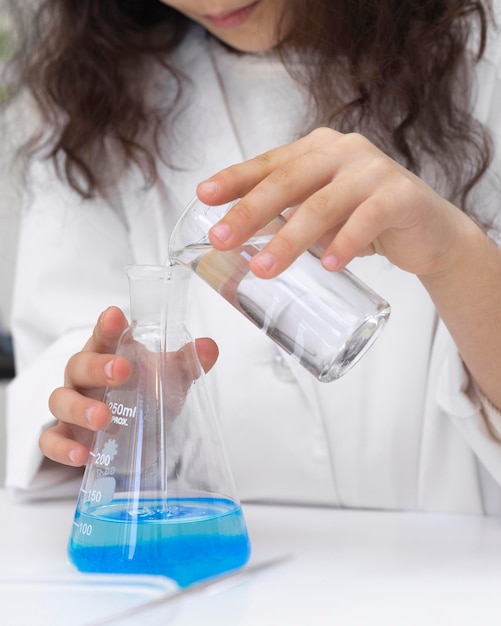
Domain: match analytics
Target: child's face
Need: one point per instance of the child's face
(246, 25)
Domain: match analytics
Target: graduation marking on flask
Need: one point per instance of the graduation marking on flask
(121, 413)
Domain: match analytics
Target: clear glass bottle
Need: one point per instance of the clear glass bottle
(157, 495)
(325, 320)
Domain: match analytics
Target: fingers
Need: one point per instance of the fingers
(77, 405)
(71, 407)
(183, 366)
(325, 176)
(78, 418)
(273, 182)
(96, 366)
(59, 443)
(107, 331)
(237, 180)
(323, 213)
(359, 235)
(88, 370)
(207, 351)
(345, 194)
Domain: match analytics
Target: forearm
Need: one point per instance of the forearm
(468, 299)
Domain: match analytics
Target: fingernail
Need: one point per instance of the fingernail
(100, 320)
(265, 260)
(89, 414)
(108, 368)
(330, 262)
(221, 232)
(209, 187)
(72, 455)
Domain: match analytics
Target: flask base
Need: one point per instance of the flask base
(185, 539)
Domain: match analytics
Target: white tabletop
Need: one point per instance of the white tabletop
(327, 567)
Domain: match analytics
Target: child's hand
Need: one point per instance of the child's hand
(353, 200)
(348, 196)
(77, 405)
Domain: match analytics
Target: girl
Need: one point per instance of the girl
(378, 121)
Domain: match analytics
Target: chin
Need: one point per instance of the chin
(249, 44)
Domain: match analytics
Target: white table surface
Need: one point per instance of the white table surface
(340, 567)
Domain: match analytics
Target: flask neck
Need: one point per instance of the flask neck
(157, 294)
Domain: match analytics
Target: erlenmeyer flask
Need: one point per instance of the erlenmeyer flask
(157, 496)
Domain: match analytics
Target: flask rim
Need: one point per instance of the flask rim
(167, 272)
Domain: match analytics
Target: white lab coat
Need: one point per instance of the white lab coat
(402, 430)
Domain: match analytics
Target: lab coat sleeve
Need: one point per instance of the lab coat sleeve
(471, 412)
(70, 266)
(492, 414)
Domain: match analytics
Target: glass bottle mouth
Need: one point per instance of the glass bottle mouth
(192, 227)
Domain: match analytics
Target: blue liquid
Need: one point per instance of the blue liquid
(185, 539)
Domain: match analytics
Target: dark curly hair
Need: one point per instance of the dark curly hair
(396, 70)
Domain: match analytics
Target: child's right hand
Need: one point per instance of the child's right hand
(77, 405)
